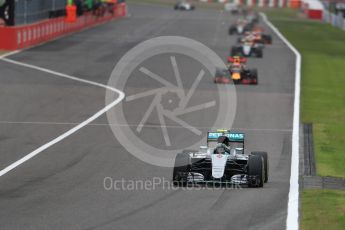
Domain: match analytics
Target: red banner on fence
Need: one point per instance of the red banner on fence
(18, 37)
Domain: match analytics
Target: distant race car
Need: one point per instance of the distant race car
(223, 160)
(240, 27)
(183, 5)
(257, 37)
(237, 73)
(234, 8)
(248, 49)
(236, 76)
(252, 17)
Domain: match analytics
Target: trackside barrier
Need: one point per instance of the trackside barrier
(19, 37)
(295, 4)
(270, 3)
(334, 19)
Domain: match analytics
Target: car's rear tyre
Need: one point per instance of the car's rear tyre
(254, 76)
(266, 163)
(268, 38)
(256, 168)
(259, 53)
(182, 165)
(231, 31)
(247, 28)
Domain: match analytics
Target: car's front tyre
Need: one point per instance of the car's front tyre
(256, 169)
(231, 31)
(181, 168)
(259, 53)
(267, 38)
(254, 76)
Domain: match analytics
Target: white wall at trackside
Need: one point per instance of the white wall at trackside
(336, 20)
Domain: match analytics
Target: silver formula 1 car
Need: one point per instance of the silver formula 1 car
(222, 161)
(247, 49)
(184, 5)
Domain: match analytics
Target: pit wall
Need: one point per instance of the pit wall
(19, 37)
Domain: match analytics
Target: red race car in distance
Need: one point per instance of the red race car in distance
(236, 73)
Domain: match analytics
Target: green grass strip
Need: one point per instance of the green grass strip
(323, 209)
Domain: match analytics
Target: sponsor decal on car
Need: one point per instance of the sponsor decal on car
(232, 136)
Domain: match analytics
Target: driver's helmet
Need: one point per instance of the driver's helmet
(221, 149)
(223, 140)
(237, 60)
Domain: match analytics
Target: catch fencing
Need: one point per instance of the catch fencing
(30, 11)
(336, 20)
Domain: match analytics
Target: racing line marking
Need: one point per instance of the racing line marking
(292, 215)
(69, 132)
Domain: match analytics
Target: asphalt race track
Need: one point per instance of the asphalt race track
(63, 187)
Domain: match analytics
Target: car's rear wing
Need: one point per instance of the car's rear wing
(212, 136)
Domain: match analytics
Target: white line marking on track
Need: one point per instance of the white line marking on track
(71, 131)
(292, 215)
(9, 54)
